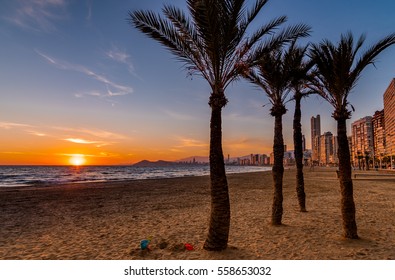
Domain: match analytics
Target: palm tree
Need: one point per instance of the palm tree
(300, 76)
(273, 74)
(213, 44)
(337, 73)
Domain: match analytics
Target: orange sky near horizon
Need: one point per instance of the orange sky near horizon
(24, 144)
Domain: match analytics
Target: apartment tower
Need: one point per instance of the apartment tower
(315, 137)
(379, 141)
(326, 148)
(362, 138)
(389, 117)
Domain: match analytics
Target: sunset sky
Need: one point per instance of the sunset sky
(77, 79)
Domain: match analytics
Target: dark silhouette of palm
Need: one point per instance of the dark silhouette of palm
(275, 73)
(212, 42)
(300, 68)
(337, 70)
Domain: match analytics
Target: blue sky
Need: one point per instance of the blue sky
(76, 78)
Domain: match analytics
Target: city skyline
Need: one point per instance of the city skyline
(79, 85)
(370, 139)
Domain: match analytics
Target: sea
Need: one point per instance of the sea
(19, 176)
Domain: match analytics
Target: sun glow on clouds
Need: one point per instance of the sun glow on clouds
(88, 142)
(80, 141)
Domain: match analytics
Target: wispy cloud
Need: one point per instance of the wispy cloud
(39, 15)
(245, 143)
(88, 142)
(12, 153)
(36, 133)
(122, 57)
(119, 56)
(178, 116)
(27, 128)
(185, 142)
(243, 118)
(113, 88)
(89, 6)
(104, 134)
(10, 125)
(80, 141)
(75, 135)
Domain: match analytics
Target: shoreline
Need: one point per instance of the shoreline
(107, 183)
(33, 176)
(108, 220)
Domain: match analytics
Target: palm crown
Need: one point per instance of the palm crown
(213, 41)
(276, 73)
(338, 68)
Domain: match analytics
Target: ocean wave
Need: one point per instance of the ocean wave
(50, 175)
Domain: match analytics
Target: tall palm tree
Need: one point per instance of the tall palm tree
(273, 74)
(300, 76)
(337, 72)
(213, 43)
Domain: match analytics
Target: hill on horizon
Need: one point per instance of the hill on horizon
(159, 163)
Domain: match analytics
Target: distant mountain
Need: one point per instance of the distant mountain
(159, 163)
(185, 161)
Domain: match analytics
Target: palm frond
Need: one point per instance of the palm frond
(212, 41)
(193, 42)
(276, 41)
(158, 29)
(254, 11)
(371, 54)
(337, 71)
(267, 29)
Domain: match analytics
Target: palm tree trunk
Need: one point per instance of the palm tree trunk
(278, 170)
(346, 185)
(298, 143)
(217, 238)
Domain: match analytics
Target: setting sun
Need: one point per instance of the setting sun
(77, 160)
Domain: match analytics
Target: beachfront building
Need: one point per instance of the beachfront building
(351, 148)
(326, 148)
(253, 159)
(289, 158)
(362, 140)
(333, 158)
(389, 118)
(379, 141)
(315, 137)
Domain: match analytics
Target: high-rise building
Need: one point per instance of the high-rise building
(315, 137)
(362, 138)
(389, 117)
(351, 148)
(303, 143)
(326, 148)
(334, 158)
(379, 142)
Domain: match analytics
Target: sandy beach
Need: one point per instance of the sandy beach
(108, 220)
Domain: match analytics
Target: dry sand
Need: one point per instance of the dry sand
(108, 220)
